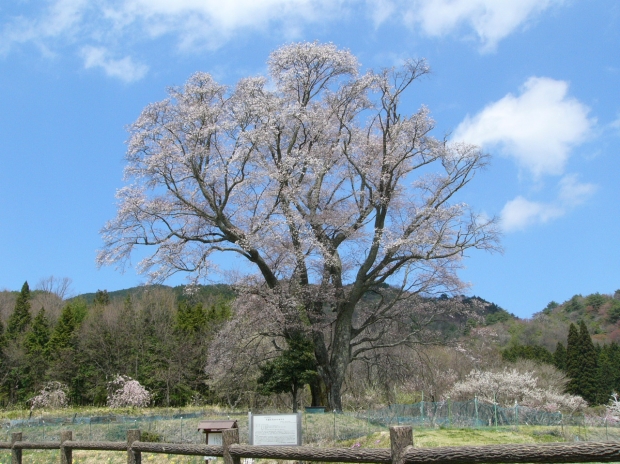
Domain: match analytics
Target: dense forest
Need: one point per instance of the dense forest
(158, 335)
(189, 346)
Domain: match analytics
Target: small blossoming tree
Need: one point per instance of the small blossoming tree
(612, 409)
(127, 392)
(508, 386)
(52, 396)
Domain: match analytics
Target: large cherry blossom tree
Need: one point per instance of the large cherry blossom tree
(317, 180)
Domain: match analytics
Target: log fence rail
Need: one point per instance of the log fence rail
(401, 451)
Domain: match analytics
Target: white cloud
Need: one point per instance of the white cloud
(196, 23)
(62, 18)
(125, 69)
(209, 23)
(538, 128)
(521, 213)
(491, 20)
(380, 10)
(572, 192)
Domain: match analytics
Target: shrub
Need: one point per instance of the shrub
(52, 396)
(127, 392)
(150, 437)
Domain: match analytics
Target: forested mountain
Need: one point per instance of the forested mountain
(579, 337)
(193, 345)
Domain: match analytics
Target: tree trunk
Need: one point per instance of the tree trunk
(333, 365)
(294, 393)
(318, 392)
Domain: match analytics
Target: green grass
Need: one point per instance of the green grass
(435, 437)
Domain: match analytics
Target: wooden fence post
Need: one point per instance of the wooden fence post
(66, 454)
(401, 438)
(133, 457)
(230, 437)
(16, 454)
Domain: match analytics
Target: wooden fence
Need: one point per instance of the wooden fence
(400, 452)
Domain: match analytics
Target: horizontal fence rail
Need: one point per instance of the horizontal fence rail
(553, 452)
(401, 452)
(308, 453)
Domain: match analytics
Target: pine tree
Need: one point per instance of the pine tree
(573, 369)
(66, 365)
(20, 318)
(614, 357)
(38, 334)
(559, 357)
(606, 375)
(589, 370)
(289, 372)
(63, 335)
(35, 343)
(101, 298)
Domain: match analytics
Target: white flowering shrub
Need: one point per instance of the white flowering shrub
(52, 396)
(127, 392)
(612, 410)
(508, 386)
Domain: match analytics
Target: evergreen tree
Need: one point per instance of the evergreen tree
(20, 318)
(606, 375)
(573, 368)
(35, 344)
(614, 357)
(536, 353)
(66, 364)
(581, 364)
(559, 357)
(190, 318)
(63, 335)
(588, 359)
(289, 372)
(101, 298)
(38, 335)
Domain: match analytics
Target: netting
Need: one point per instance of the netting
(319, 428)
(464, 414)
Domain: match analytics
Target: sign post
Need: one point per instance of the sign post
(213, 431)
(275, 429)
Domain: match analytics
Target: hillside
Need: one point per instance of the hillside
(600, 312)
(202, 292)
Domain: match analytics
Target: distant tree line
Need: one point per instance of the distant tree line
(153, 336)
(209, 346)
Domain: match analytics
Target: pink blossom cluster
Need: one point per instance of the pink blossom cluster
(127, 392)
(52, 396)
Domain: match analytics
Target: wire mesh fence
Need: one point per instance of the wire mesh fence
(322, 428)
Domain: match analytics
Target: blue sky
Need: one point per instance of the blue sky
(536, 83)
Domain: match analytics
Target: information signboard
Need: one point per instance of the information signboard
(275, 429)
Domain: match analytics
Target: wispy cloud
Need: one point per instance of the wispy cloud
(125, 69)
(520, 213)
(196, 24)
(537, 128)
(61, 19)
(489, 20)
(200, 24)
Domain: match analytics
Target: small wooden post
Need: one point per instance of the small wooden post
(133, 457)
(230, 437)
(66, 453)
(16, 454)
(401, 438)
